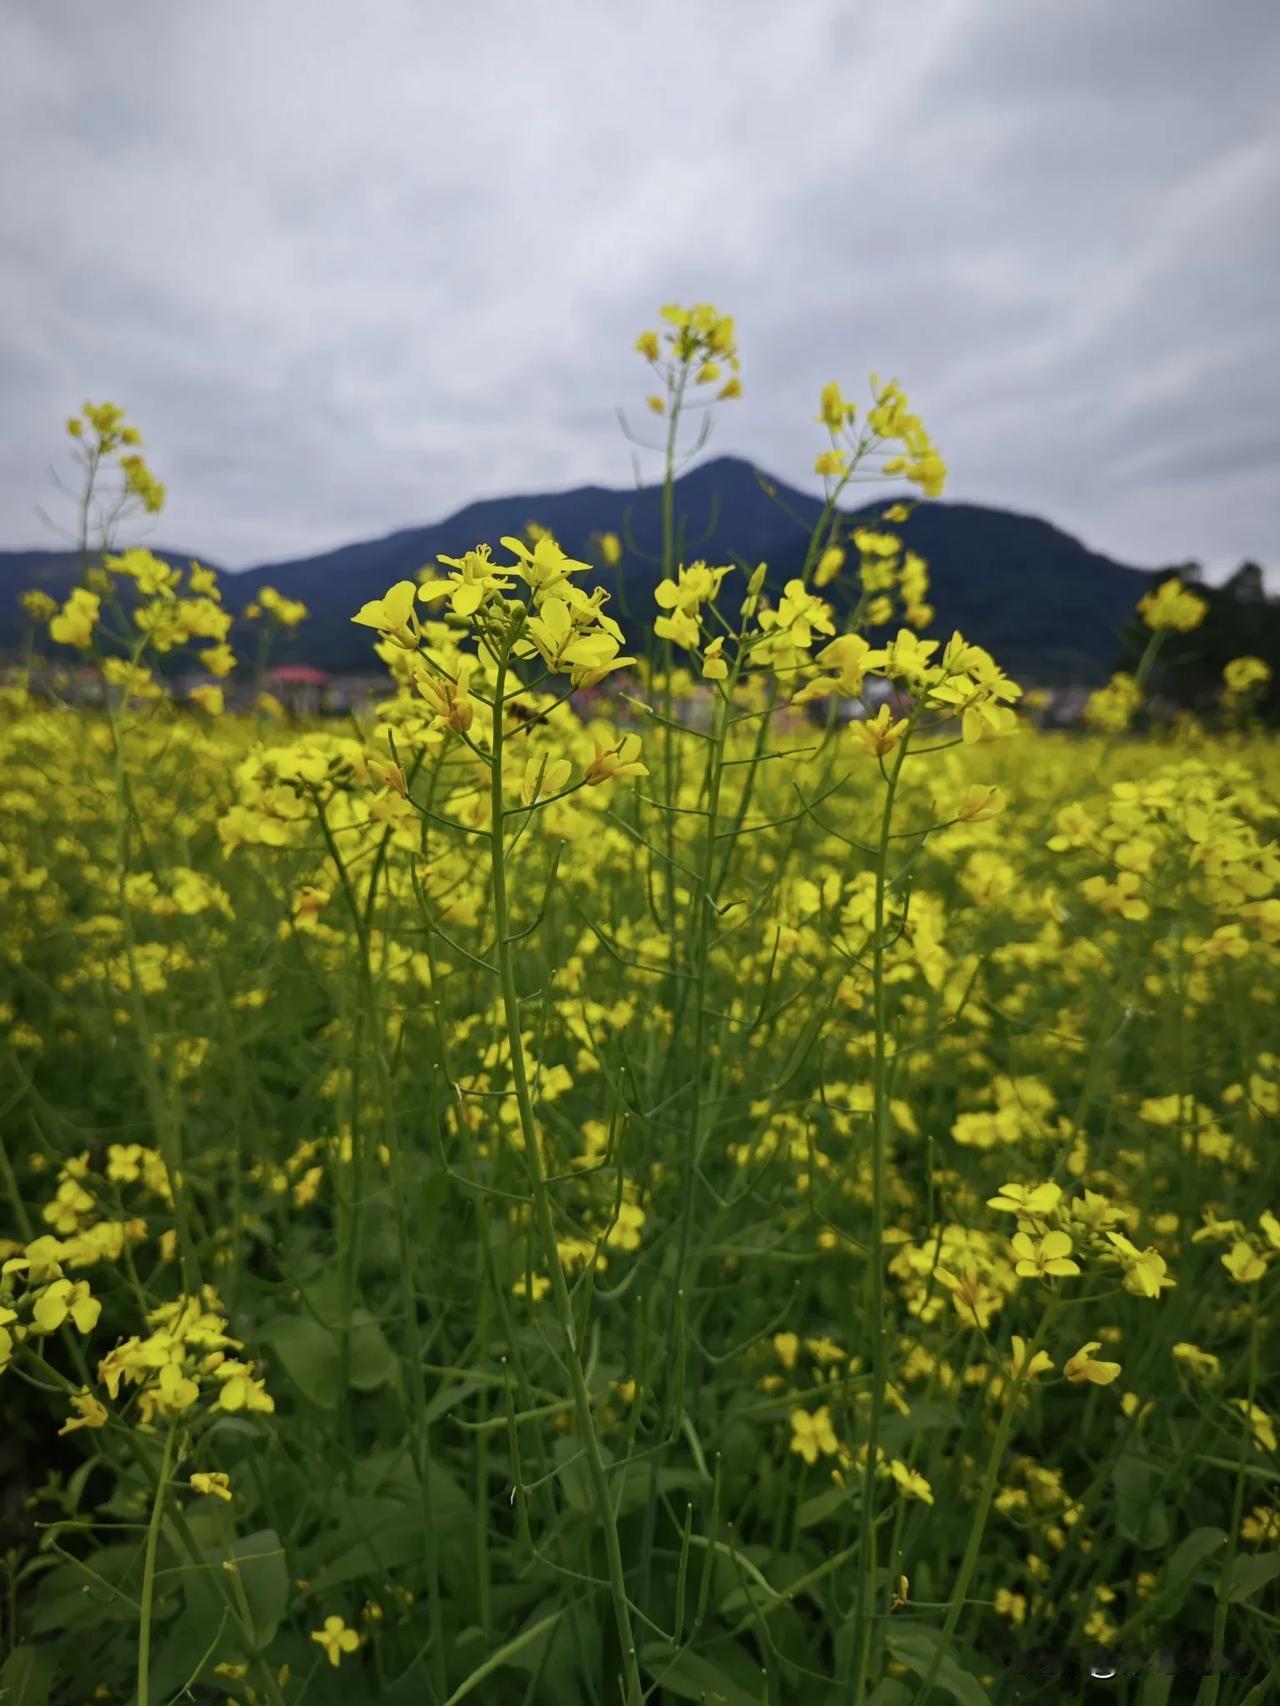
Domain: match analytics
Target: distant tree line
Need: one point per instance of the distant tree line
(1242, 621)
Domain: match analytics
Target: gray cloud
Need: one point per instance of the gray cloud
(349, 276)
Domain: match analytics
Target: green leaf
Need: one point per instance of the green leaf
(434, 1190)
(821, 1506)
(575, 1476)
(308, 1353)
(411, 1688)
(87, 1595)
(889, 1692)
(512, 1652)
(449, 1397)
(264, 1577)
(1199, 1545)
(76, 1483)
(391, 1535)
(897, 1432)
(636, 1482)
(1250, 1574)
(374, 1535)
(213, 1603)
(1140, 1516)
(1157, 1685)
(689, 1676)
(325, 1296)
(263, 1569)
(192, 1646)
(27, 1676)
(373, 1362)
(1257, 1694)
(680, 1481)
(310, 1346)
(915, 1649)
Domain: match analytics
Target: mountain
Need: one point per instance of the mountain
(56, 572)
(1041, 601)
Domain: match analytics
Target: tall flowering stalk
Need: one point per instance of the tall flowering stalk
(555, 628)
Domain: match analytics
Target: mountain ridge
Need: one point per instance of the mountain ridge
(1038, 597)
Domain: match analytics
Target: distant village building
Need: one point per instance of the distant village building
(303, 690)
(300, 687)
(57, 682)
(354, 693)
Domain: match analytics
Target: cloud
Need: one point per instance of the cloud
(350, 274)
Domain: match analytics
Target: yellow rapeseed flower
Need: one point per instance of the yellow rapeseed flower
(1011, 1605)
(74, 624)
(1244, 1264)
(212, 1484)
(89, 1412)
(1172, 606)
(833, 409)
(611, 762)
(1203, 1364)
(1261, 1527)
(543, 777)
(1031, 1201)
(393, 615)
(1145, 1271)
(881, 733)
(1043, 1257)
(910, 1482)
(1243, 674)
(1260, 1423)
(64, 1300)
(812, 1436)
(715, 666)
(1083, 1367)
(1023, 1368)
(335, 1639)
(209, 699)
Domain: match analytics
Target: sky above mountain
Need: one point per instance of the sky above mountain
(351, 268)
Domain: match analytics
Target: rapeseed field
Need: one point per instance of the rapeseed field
(703, 1198)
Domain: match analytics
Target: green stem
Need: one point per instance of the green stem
(1212, 1683)
(977, 1528)
(670, 783)
(366, 1012)
(875, 1264)
(149, 1570)
(164, 1119)
(701, 956)
(543, 1212)
(362, 921)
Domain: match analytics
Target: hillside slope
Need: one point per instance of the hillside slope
(1043, 602)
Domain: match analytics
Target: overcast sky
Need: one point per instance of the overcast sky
(351, 267)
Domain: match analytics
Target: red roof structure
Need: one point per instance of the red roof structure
(297, 675)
